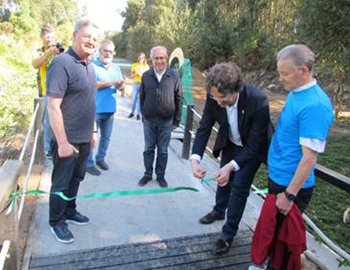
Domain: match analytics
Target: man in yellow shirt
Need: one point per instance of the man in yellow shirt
(42, 62)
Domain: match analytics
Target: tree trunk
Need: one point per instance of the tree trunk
(338, 97)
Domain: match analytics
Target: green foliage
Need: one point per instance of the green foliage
(26, 23)
(325, 26)
(64, 32)
(6, 28)
(326, 209)
(25, 27)
(17, 77)
(132, 14)
(250, 32)
(17, 87)
(16, 104)
(160, 23)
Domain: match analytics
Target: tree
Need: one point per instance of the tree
(325, 26)
(132, 13)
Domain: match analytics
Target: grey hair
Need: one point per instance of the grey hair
(106, 42)
(226, 77)
(83, 23)
(159, 47)
(301, 55)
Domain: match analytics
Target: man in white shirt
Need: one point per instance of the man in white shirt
(242, 111)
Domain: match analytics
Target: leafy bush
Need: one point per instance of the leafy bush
(16, 105)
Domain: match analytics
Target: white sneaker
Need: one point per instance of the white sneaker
(253, 267)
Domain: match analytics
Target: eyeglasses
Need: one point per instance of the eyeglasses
(108, 51)
(218, 98)
(161, 58)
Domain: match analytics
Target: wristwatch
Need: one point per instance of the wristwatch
(290, 197)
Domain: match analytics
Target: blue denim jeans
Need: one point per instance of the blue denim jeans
(104, 122)
(66, 176)
(47, 128)
(156, 134)
(135, 101)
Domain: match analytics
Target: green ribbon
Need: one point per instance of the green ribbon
(207, 180)
(262, 191)
(105, 194)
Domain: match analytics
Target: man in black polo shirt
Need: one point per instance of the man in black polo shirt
(71, 90)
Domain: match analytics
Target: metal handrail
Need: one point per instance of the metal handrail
(25, 145)
(308, 221)
(200, 117)
(4, 253)
(26, 181)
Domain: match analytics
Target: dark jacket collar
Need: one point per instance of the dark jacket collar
(167, 72)
(76, 57)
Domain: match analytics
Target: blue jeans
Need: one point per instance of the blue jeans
(233, 196)
(104, 121)
(47, 128)
(156, 134)
(66, 176)
(135, 101)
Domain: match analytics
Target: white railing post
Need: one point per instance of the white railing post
(38, 125)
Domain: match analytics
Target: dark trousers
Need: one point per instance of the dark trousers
(157, 134)
(66, 177)
(302, 201)
(233, 196)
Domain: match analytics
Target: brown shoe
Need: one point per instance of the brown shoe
(222, 246)
(210, 218)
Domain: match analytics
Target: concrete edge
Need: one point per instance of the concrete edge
(43, 185)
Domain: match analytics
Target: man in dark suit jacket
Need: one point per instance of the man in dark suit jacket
(242, 111)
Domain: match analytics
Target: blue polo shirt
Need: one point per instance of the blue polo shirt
(306, 114)
(106, 98)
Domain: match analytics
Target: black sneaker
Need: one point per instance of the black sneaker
(138, 117)
(222, 246)
(61, 232)
(78, 219)
(102, 164)
(93, 171)
(162, 182)
(131, 115)
(144, 180)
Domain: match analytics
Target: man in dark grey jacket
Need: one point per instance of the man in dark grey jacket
(161, 103)
(242, 112)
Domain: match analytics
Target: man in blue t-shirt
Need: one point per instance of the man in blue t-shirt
(109, 78)
(301, 131)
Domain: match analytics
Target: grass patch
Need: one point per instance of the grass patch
(328, 202)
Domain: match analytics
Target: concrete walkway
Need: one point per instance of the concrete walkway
(128, 219)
